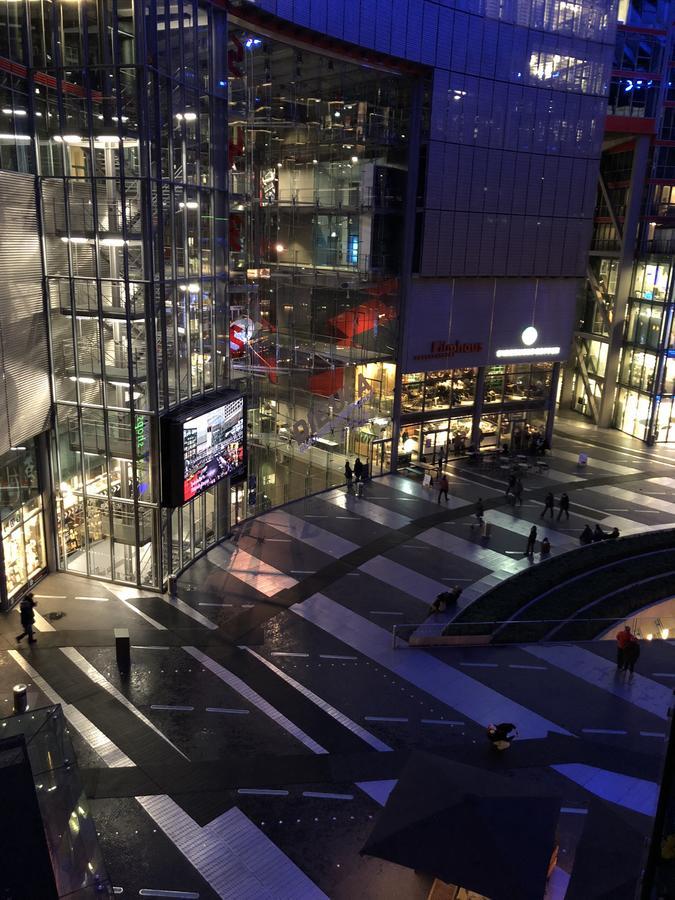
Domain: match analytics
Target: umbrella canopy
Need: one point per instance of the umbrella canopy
(469, 827)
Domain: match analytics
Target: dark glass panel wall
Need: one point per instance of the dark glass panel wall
(318, 160)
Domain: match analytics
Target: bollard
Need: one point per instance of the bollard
(123, 650)
(172, 584)
(20, 698)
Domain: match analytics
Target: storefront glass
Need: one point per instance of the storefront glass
(318, 157)
(23, 543)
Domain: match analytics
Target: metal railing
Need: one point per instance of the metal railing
(645, 627)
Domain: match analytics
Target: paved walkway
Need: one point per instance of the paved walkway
(267, 715)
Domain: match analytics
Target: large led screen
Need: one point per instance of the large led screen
(213, 448)
(201, 445)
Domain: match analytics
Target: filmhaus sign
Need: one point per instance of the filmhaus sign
(448, 349)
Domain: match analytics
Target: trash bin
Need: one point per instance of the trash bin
(172, 584)
(20, 692)
(123, 650)
(583, 459)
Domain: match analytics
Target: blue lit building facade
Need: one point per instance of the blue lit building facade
(372, 218)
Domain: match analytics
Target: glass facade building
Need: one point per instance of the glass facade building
(622, 372)
(294, 201)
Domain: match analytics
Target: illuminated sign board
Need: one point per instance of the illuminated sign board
(202, 444)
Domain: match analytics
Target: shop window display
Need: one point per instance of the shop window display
(23, 545)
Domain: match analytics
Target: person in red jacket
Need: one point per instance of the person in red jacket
(622, 639)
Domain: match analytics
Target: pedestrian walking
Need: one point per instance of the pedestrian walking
(564, 506)
(622, 639)
(549, 502)
(26, 610)
(631, 654)
(358, 469)
(511, 485)
(545, 548)
(443, 488)
(349, 475)
(531, 541)
(518, 492)
(480, 511)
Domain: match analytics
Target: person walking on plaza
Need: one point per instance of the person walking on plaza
(480, 511)
(26, 609)
(549, 502)
(631, 654)
(564, 506)
(531, 541)
(622, 639)
(511, 485)
(358, 469)
(443, 488)
(349, 475)
(518, 492)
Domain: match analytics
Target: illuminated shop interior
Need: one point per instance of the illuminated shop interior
(318, 156)
(438, 409)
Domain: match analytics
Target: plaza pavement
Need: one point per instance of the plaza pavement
(267, 714)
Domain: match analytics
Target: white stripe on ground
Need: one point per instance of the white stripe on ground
(344, 720)
(231, 712)
(236, 858)
(320, 795)
(251, 570)
(310, 534)
(378, 790)
(475, 552)
(642, 692)
(595, 462)
(638, 499)
(603, 731)
(41, 624)
(405, 579)
(254, 699)
(187, 610)
(86, 668)
(457, 690)
(109, 752)
(633, 793)
(125, 594)
(441, 722)
(368, 510)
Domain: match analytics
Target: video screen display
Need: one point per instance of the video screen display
(213, 447)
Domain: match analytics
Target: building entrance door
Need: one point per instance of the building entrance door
(379, 459)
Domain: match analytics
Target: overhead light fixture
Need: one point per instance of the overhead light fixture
(107, 139)
(279, 248)
(83, 379)
(75, 240)
(193, 288)
(189, 204)
(529, 335)
(21, 138)
(355, 159)
(112, 242)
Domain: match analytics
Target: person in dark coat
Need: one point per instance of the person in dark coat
(564, 506)
(443, 488)
(531, 541)
(479, 510)
(358, 469)
(631, 654)
(349, 475)
(518, 492)
(549, 502)
(586, 536)
(26, 610)
(598, 534)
